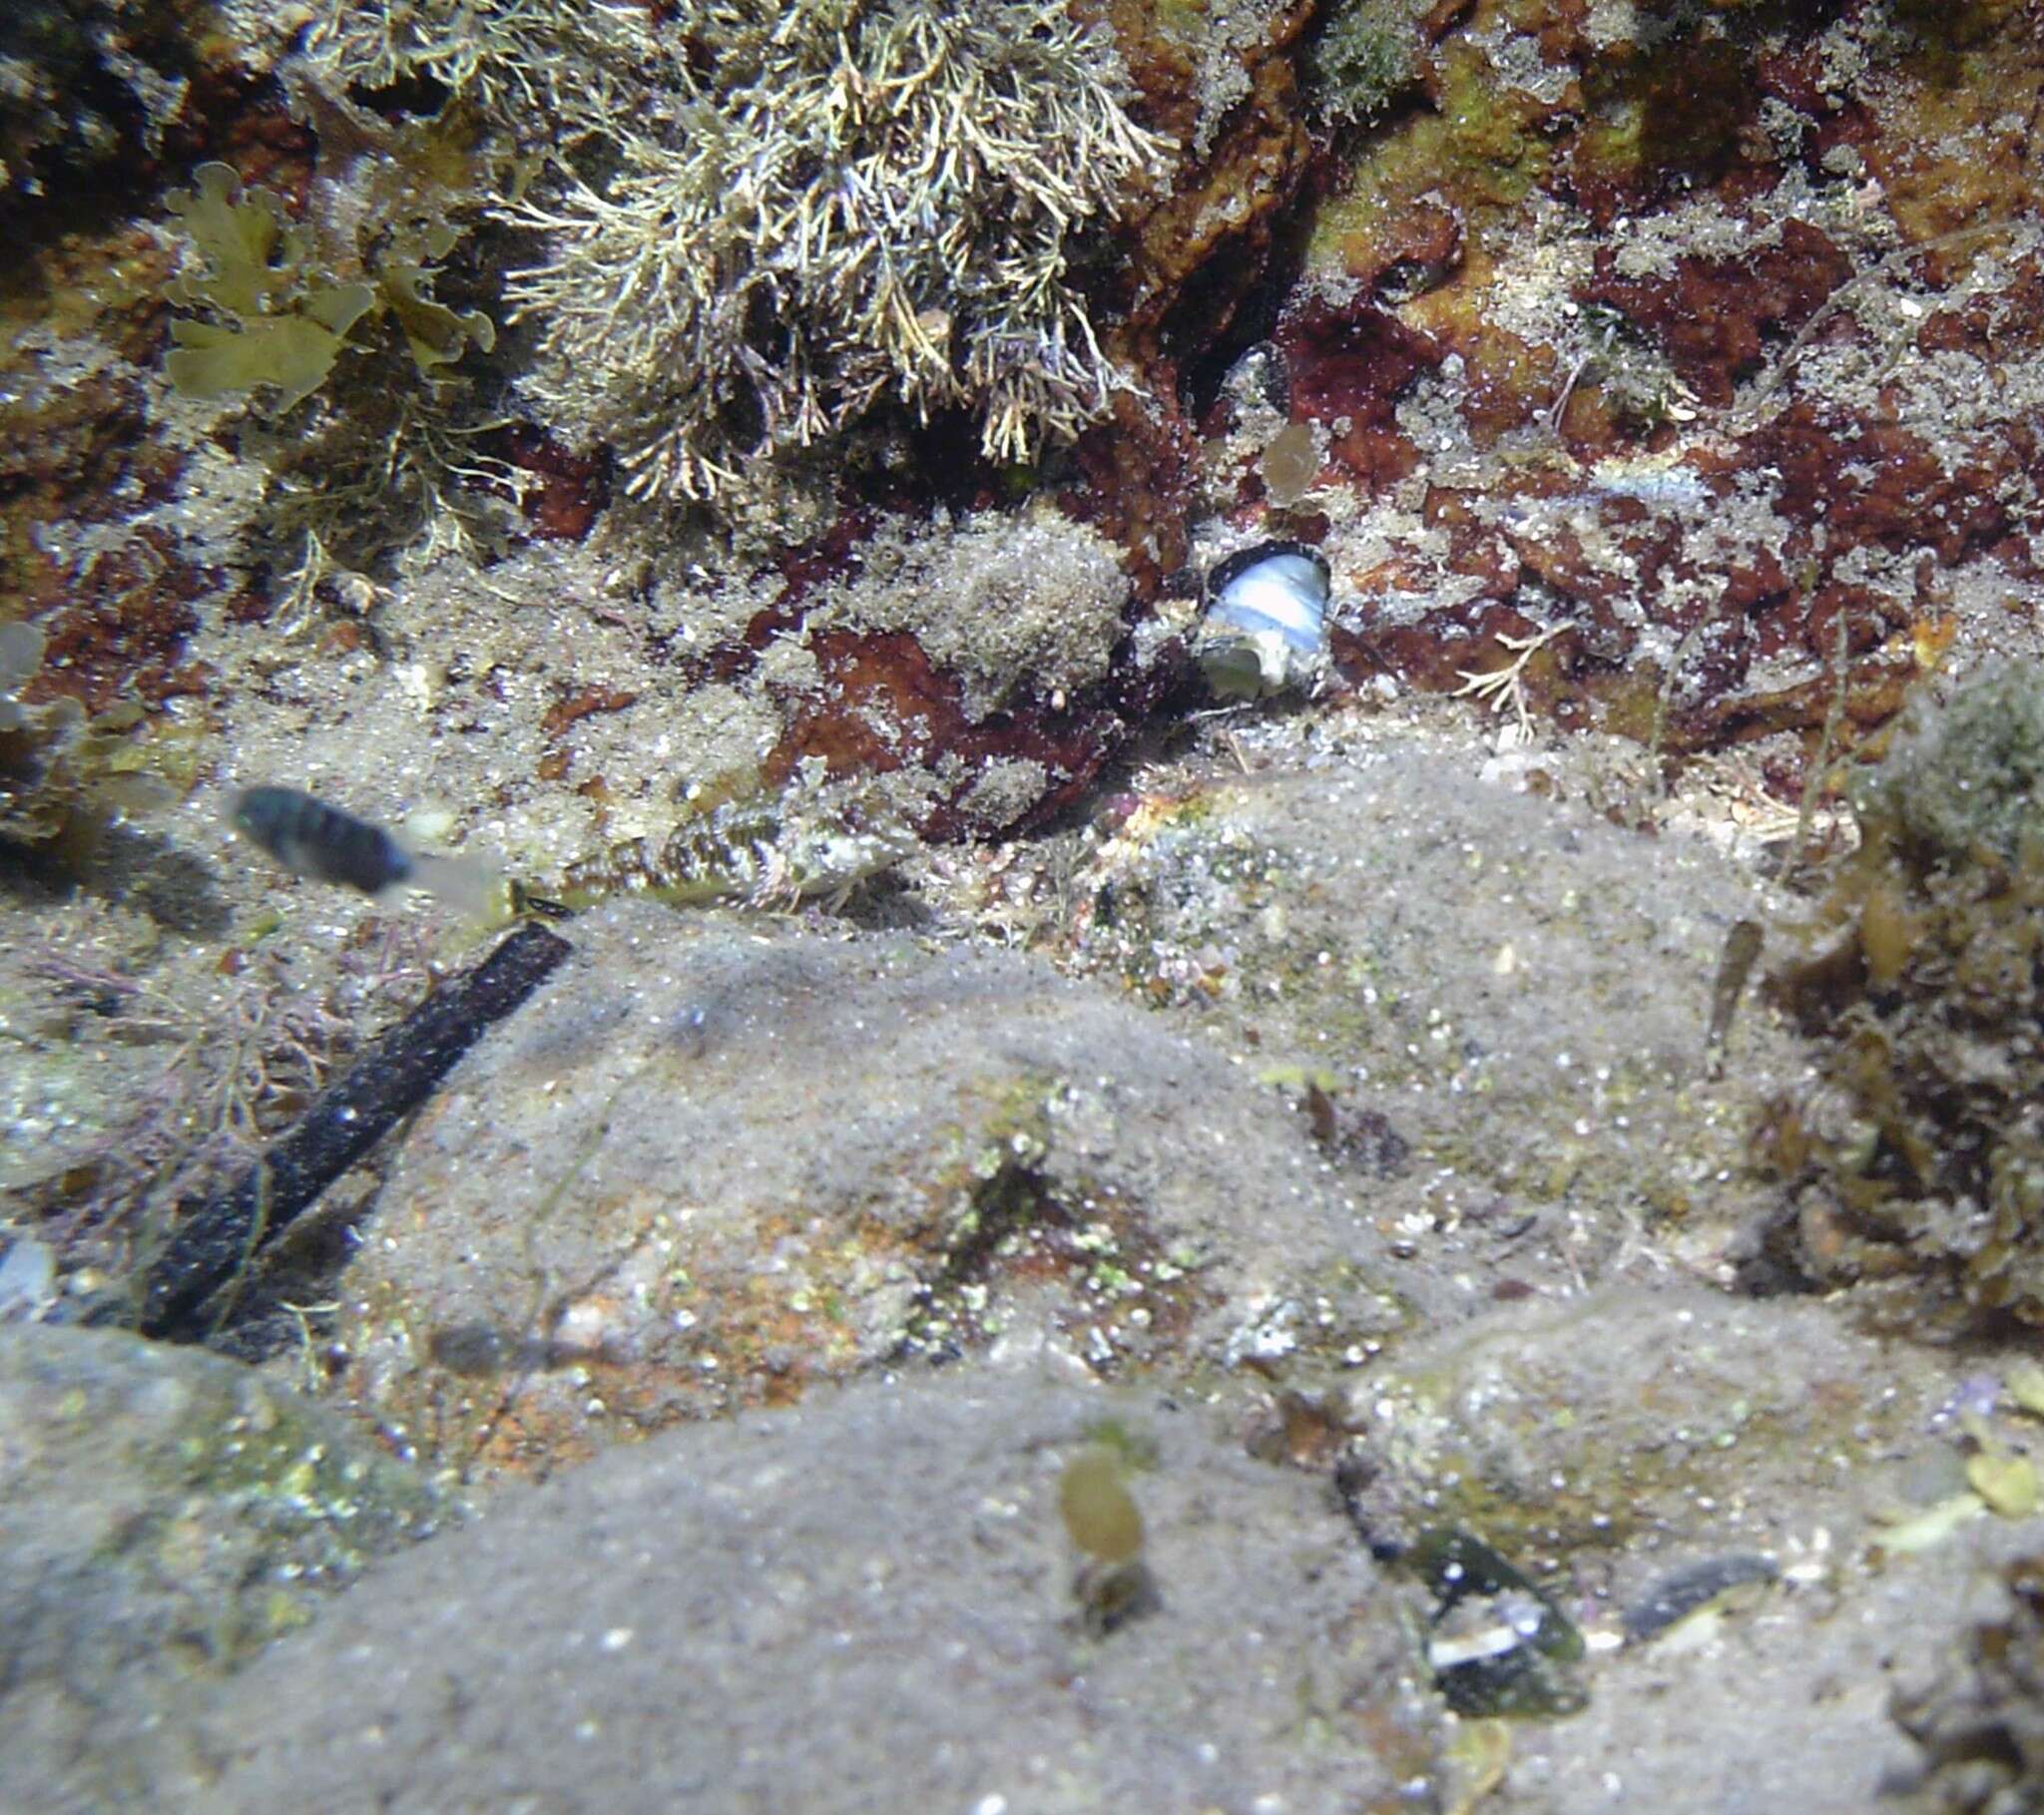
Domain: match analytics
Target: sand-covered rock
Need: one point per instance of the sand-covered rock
(1507, 1002)
(861, 1602)
(718, 1158)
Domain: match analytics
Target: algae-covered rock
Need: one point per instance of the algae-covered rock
(166, 1508)
(156, 1496)
(1598, 335)
(1981, 1723)
(864, 1601)
(717, 1157)
(1920, 1159)
(1626, 1422)
(1966, 782)
(1366, 54)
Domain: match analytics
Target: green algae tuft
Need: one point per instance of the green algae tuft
(274, 323)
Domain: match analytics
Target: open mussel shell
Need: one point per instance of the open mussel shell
(1497, 1645)
(1265, 626)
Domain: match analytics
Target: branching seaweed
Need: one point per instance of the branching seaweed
(239, 1062)
(535, 63)
(828, 206)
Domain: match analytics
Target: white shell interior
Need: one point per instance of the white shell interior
(1286, 593)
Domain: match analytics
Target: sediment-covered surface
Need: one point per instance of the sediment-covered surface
(1434, 1206)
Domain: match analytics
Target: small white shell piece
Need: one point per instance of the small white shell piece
(1265, 624)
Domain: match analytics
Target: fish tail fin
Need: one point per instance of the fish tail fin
(472, 888)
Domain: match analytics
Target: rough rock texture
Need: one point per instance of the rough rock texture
(1507, 1002)
(1617, 1445)
(870, 1598)
(1629, 1428)
(168, 1509)
(1789, 1706)
(738, 1139)
(1661, 380)
(716, 1160)
(864, 1603)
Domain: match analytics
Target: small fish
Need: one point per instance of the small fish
(321, 842)
(766, 855)
(1742, 946)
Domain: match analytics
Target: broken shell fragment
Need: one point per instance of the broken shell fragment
(1716, 1582)
(1265, 625)
(1497, 1644)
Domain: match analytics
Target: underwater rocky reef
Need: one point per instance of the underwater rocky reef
(1138, 899)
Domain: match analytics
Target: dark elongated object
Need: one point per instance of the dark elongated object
(214, 1239)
